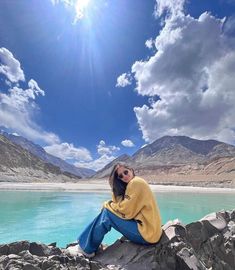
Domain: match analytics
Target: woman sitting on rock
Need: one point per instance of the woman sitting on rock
(132, 211)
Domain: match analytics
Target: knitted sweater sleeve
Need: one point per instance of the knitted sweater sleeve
(133, 201)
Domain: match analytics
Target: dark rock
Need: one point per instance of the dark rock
(54, 258)
(82, 261)
(55, 251)
(63, 259)
(215, 220)
(4, 250)
(17, 247)
(232, 215)
(28, 266)
(52, 244)
(200, 245)
(50, 265)
(71, 244)
(39, 249)
(95, 265)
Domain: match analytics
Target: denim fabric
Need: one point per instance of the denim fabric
(91, 238)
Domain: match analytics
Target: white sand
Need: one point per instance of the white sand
(98, 186)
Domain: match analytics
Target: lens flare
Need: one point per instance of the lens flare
(81, 6)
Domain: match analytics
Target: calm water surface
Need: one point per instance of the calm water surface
(59, 217)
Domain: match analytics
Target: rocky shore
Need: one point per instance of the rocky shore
(206, 244)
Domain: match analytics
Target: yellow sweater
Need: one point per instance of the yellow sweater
(139, 204)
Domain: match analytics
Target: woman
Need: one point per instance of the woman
(132, 211)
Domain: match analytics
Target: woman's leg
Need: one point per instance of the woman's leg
(91, 238)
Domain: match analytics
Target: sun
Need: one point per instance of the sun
(80, 7)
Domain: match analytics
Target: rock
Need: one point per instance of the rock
(50, 265)
(203, 245)
(216, 220)
(17, 247)
(52, 244)
(39, 249)
(4, 260)
(29, 266)
(4, 250)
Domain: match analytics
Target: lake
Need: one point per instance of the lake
(60, 216)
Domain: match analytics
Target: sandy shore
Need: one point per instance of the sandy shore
(97, 186)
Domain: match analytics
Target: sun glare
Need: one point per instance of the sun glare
(81, 6)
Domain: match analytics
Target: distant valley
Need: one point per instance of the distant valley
(170, 160)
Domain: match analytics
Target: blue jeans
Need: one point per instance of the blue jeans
(91, 238)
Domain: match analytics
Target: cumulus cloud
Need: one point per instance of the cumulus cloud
(104, 149)
(18, 106)
(17, 109)
(10, 67)
(67, 151)
(124, 80)
(107, 154)
(171, 7)
(97, 164)
(127, 143)
(191, 72)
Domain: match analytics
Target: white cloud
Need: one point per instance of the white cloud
(18, 107)
(127, 143)
(10, 67)
(174, 8)
(33, 85)
(104, 149)
(192, 71)
(106, 153)
(97, 164)
(67, 151)
(17, 110)
(149, 43)
(124, 80)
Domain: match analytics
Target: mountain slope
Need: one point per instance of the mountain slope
(18, 164)
(183, 150)
(42, 154)
(172, 154)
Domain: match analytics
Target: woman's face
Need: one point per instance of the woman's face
(124, 174)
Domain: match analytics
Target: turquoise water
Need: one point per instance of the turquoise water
(59, 217)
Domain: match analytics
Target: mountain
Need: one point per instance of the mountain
(181, 150)
(18, 164)
(42, 154)
(178, 154)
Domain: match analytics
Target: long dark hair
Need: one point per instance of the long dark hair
(117, 185)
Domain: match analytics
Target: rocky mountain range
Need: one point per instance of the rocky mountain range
(168, 160)
(18, 164)
(172, 156)
(39, 152)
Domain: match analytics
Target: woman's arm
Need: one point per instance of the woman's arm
(133, 201)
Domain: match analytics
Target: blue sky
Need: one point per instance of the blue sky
(91, 80)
